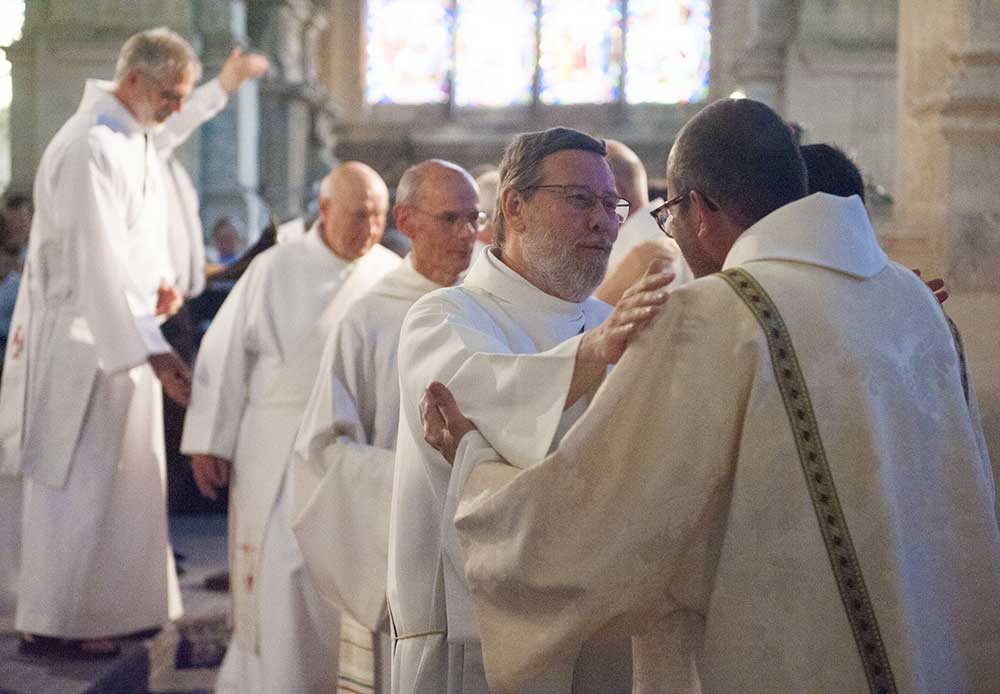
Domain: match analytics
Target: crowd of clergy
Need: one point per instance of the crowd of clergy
(574, 441)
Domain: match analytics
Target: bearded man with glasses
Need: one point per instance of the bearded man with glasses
(524, 348)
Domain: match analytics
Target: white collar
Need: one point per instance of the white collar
(824, 230)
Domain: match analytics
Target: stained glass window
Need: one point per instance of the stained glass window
(487, 52)
(667, 51)
(408, 51)
(494, 52)
(581, 51)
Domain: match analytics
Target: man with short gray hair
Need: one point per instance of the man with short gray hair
(86, 430)
(254, 373)
(524, 347)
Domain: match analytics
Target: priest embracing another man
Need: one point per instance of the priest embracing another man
(782, 486)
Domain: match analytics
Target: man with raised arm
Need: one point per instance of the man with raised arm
(85, 430)
(524, 347)
(256, 367)
(348, 434)
(783, 484)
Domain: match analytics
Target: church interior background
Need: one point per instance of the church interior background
(909, 88)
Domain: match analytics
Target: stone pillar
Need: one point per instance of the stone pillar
(297, 113)
(225, 155)
(948, 180)
(761, 69)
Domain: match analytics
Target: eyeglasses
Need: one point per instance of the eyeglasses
(583, 198)
(456, 221)
(662, 214)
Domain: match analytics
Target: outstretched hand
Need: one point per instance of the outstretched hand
(444, 423)
(239, 67)
(637, 307)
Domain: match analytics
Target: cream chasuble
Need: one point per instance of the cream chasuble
(344, 456)
(256, 366)
(677, 506)
(507, 350)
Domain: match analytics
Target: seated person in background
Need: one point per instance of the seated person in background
(226, 243)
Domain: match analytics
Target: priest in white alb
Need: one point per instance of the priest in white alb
(784, 480)
(255, 369)
(524, 347)
(348, 435)
(85, 430)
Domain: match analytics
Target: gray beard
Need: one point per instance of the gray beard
(560, 272)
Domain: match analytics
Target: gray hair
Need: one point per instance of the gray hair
(740, 154)
(521, 165)
(326, 187)
(414, 178)
(159, 54)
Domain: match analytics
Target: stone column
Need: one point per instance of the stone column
(948, 178)
(761, 68)
(296, 110)
(948, 137)
(225, 153)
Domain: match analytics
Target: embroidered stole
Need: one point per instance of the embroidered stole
(829, 514)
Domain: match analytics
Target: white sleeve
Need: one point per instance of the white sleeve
(221, 375)
(92, 187)
(515, 400)
(203, 104)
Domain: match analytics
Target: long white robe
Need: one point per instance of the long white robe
(677, 506)
(80, 407)
(508, 351)
(254, 373)
(345, 449)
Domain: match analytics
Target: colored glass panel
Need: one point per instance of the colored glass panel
(494, 52)
(581, 51)
(667, 51)
(409, 49)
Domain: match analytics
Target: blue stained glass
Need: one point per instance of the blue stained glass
(495, 52)
(668, 51)
(408, 51)
(581, 51)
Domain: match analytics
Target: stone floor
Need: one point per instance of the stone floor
(143, 666)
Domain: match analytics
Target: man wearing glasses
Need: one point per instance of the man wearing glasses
(348, 433)
(96, 562)
(524, 347)
(783, 486)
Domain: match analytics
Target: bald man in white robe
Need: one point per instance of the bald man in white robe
(254, 372)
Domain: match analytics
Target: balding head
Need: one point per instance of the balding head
(742, 156)
(629, 173)
(437, 207)
(353, 203)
